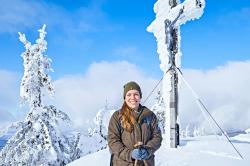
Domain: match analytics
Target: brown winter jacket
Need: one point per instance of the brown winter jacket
(121, 142)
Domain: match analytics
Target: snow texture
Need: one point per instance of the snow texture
(39, 140)
(193, 151)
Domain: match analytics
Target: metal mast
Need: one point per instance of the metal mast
(172, 47)
(170, 15)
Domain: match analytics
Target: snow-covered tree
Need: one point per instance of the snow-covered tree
(198, 131)
(101, 121)
(36, 68)
(159, 109)
(39, 141)
(42, 138)
(187, 131)
(97, 136)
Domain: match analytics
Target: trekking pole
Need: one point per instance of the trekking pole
(137, 145)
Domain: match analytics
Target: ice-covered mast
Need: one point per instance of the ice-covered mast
(170, 14)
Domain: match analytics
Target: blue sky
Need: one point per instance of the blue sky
(98, 45)
(83, 32)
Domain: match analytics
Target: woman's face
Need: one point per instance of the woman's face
(133, 99)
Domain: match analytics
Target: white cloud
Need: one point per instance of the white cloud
(81, 96)
(9, 95)
(224, 90)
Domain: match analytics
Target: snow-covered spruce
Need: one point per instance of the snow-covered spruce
(36, 68)
(96, 139)
(41, 139)
(159, 109)
(102, 120)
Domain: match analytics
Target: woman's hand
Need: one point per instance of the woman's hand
(140, 154)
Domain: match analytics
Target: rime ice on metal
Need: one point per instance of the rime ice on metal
(170, 15)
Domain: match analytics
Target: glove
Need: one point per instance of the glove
(136, 154)
(145, 153)
(140, 154)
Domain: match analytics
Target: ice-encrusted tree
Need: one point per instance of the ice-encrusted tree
(101, 121)
(42, 138)
(36, 68)
(159, 109)
(97, 136)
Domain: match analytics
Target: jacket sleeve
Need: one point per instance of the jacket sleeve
(154, 143)
(114, 140)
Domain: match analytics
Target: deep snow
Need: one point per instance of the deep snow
(193, 151)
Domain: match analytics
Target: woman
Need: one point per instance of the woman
(133, 132)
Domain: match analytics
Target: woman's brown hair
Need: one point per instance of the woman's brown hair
(127, 119)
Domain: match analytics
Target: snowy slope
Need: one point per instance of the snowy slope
(194, 151)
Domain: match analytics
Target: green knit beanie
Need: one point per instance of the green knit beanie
(131, 86)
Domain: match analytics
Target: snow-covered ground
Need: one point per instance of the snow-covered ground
(193, 151)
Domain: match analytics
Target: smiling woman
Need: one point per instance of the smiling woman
(132, 95)
(133, 132)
